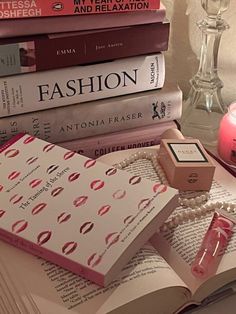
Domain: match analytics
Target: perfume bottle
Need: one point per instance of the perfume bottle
(204, 107)
(185, 162)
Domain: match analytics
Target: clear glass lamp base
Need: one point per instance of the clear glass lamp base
(204, 108)
(202, 113)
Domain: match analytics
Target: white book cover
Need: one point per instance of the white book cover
(60, 87)
(97, 117)
(76, 212)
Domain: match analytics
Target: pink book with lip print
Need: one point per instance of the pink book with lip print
(77, 212)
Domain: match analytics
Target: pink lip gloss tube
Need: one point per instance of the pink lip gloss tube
(214, 242)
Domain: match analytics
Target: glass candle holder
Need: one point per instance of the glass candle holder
(227, 136)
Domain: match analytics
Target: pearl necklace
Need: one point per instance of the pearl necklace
(187, 202)
(193, 214)
(195, 203)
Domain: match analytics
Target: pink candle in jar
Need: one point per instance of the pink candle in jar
(227, 136)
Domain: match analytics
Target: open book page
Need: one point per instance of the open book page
(5, 305)
(9, 298)
(147, 279)
(180, 246)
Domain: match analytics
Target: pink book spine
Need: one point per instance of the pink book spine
(11, 141)
(68, 23)
(46, 254)
(40, 8)
(96, 146)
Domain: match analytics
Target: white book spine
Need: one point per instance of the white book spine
(97, 117)
(61, 87)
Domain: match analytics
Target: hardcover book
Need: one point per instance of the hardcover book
(54, 88)
(74, 211)
(96, 146)
(39, 8)
(28, 54)
(97, 117)
(60, 24)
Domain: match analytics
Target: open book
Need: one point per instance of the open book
(156, 280)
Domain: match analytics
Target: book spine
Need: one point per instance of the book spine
(140, 137)
(97, 117)
(24, 55)
(33, 248)
(55, 88)
(61, 24)
(11, 141)
(39, 8)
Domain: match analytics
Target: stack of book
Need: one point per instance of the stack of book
(86, 75)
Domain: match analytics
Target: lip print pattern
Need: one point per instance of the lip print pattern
(129, 219)
(16, 199)
(69, 247)
(144, 203)
(29, 139)
(97, 185)
(86, 227)
(111, 171)
(38, 208)
(10, 153)
(119, 194)
(79, 201)
(135, 180)
(112, 238)
(47, 148)
(44, 237)
(19, 226)
(51, 169)
(31, 160)
(57, 6)
(159, 188)
(63, 217)
(74, 176)
(94, 260)
(68, 155)
(35, 183)
(2, 212)
(13, 175)
(103, 210)
(89, 163)
(57, 191)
